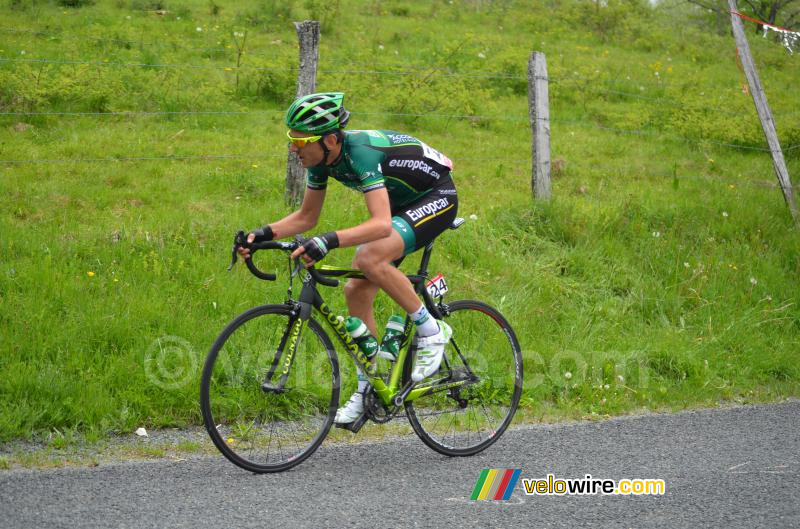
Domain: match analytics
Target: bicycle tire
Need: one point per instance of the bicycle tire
(489, 345)
(265, 431)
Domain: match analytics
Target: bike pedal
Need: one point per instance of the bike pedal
(268, 387)
(354, 426)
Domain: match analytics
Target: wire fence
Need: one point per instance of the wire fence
(471, 117)
(113, 159)
(753, 180)
(431, 72)
(230, 49)
(129, 44)
(406, 70)
(145, 113)
(400, 73)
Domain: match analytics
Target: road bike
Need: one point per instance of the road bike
(271, 382)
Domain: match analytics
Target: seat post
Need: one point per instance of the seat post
(426, 255)
(426, 258)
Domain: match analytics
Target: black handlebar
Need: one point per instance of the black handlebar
(240, 241)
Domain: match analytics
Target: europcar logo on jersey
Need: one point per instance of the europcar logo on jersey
(402, 138)
(495, 484)
(414, 165)
(429, 209)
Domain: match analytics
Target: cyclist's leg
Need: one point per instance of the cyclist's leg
(360, 296)
(419, 224)
(414, 226)
(375, 259)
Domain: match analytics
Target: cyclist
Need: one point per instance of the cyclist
(411, 199)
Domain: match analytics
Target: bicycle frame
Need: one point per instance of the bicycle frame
(389, 393)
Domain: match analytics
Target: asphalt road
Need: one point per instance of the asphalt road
(734, 467)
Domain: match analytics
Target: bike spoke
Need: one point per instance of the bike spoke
(268, 431)
(482, 350)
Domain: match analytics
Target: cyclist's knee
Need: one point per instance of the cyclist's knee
(359, 289)
(364, 260)
(369, 259)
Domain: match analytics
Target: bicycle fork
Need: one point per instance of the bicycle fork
(288, 345)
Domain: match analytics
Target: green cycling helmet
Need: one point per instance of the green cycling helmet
(318, 113)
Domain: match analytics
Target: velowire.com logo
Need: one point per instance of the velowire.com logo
(495, 484)
(498, 484)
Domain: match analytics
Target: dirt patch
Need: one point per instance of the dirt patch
(21, 127)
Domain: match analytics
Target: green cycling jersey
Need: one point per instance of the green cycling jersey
(376, 159)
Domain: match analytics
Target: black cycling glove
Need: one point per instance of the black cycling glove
(263, 234)
(319, 246)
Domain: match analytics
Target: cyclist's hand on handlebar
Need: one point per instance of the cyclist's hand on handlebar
(243, 252)
(258, 235)
(316, 248)
(261, 235)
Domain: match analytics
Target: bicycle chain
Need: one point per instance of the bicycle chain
(375, 410)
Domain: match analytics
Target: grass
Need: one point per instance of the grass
(661, 252)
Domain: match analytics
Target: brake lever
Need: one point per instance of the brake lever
(239, 241)
(297, 261)
(297, 268)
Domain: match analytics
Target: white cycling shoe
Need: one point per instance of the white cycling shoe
(430, 351)
(352, 410)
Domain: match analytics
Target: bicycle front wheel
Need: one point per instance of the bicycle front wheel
(269, 430)
(484, 354)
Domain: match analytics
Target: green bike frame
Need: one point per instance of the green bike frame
(388, 391)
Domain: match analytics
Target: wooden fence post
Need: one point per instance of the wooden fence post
(540, 124)
(764, 113)
(308, 35)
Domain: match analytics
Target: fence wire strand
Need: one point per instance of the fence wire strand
(438, 72)
(431, 73)
(581, 122)
(143, 159)
(406, 72)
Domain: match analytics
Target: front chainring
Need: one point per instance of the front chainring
(376, 411)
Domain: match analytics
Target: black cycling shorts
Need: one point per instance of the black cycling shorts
(422, 221)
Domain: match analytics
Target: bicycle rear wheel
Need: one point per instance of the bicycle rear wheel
(265, 430)
(485, 352)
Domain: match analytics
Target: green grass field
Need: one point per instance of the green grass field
(662, 274)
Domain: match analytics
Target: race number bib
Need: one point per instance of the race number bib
(437, 286)
(432, 154)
